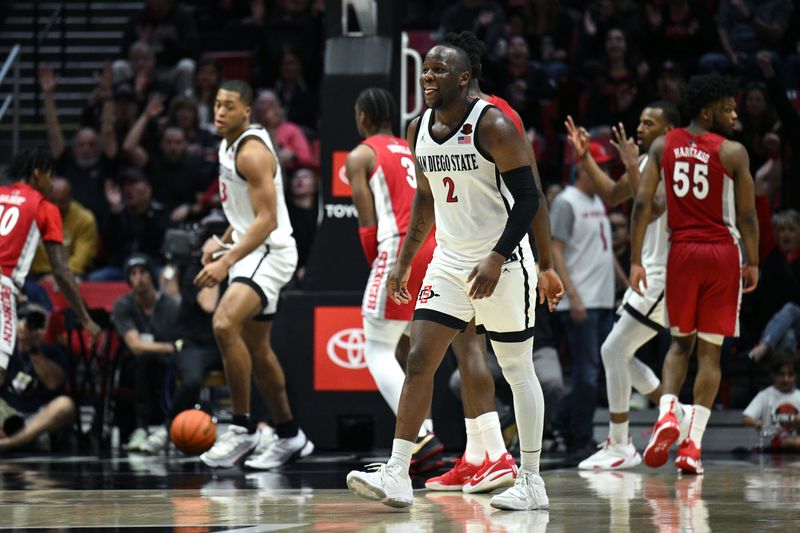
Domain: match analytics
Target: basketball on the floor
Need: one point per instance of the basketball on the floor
(193, 431)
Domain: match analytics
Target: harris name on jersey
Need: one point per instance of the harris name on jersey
(448, 162)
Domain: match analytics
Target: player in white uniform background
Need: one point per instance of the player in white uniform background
(640, 317)
(475, 183)
(258, 255)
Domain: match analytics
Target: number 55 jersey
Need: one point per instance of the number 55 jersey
(703, 289)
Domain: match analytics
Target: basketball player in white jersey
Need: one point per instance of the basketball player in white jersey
(641, 318)
(258, 255)
(475, 183)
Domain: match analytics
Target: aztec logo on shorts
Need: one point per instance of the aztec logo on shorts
(426, 294)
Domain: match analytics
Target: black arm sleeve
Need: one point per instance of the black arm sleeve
(522, 186)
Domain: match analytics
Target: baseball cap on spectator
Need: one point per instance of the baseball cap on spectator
(123, 90)
(140, 260)
(599, 153)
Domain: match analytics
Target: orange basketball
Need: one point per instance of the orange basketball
(193, 431)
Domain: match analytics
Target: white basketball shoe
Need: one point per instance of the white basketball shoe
(390, 485)
(527, 494)
(281, 451)
(231, 447)
(612, 456)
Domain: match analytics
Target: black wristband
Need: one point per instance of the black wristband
(522, 186)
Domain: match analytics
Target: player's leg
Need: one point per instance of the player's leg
(239, 304)
(381, 340)
(667, 429)
(508, 316)
(291, 442)
(717, 317)
(485, 445)
(390, 483)
(628, 335)
(683, 282)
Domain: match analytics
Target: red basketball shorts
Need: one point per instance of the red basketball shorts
(376, 302)
(704, 289)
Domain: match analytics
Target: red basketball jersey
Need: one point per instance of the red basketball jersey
(26, 216)
(393, 183)
(700, 196)
(507, 110)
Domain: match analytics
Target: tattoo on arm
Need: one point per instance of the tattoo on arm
(419, 229)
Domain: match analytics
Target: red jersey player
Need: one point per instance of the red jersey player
(709, 193)
(26, 216)
(382, 175)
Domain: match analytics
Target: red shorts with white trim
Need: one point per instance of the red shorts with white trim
(376, 302)
(8, 319)
(704, 288)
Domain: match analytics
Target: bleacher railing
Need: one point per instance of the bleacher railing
(11, 65)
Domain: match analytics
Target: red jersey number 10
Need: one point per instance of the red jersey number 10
(9, 215)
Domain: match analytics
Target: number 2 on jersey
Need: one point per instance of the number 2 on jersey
(8, 219)
(451, 189)
(699, 181)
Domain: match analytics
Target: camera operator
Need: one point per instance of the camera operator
(145, 319)
(197, 354)
(32, 398)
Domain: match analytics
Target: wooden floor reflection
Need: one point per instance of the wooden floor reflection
(759, 494)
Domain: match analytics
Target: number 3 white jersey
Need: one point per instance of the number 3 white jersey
(236, 198)
(471, 201)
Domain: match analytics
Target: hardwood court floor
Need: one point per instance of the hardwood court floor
(756, 493)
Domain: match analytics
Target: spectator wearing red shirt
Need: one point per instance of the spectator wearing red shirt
(293, 148)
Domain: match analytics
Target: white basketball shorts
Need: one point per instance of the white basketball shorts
(266, 272)
(649, 309)
(507, 315)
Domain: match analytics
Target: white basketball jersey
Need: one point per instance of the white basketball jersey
(236, 198)
(655, 247)
(471, 201)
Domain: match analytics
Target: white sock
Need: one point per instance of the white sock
(474, 454)
(491, 435)
(618, 432)
(666, 405)
(529, 461)
(697, 424)
(401, 454)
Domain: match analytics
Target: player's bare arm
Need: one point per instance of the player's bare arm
(549, 284)
(642, 210)
(256, 163)
(213, 247)
(68, 287)
(499, 137)
(420, 223)
(737, 162)
(612, 192)
(358, 167)
(360, 162)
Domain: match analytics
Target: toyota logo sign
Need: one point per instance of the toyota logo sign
(339, 342)
(346, 348)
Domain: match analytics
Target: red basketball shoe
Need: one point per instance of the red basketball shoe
(688, 460)
(665, 433)
(493, 475)
(455, 478)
